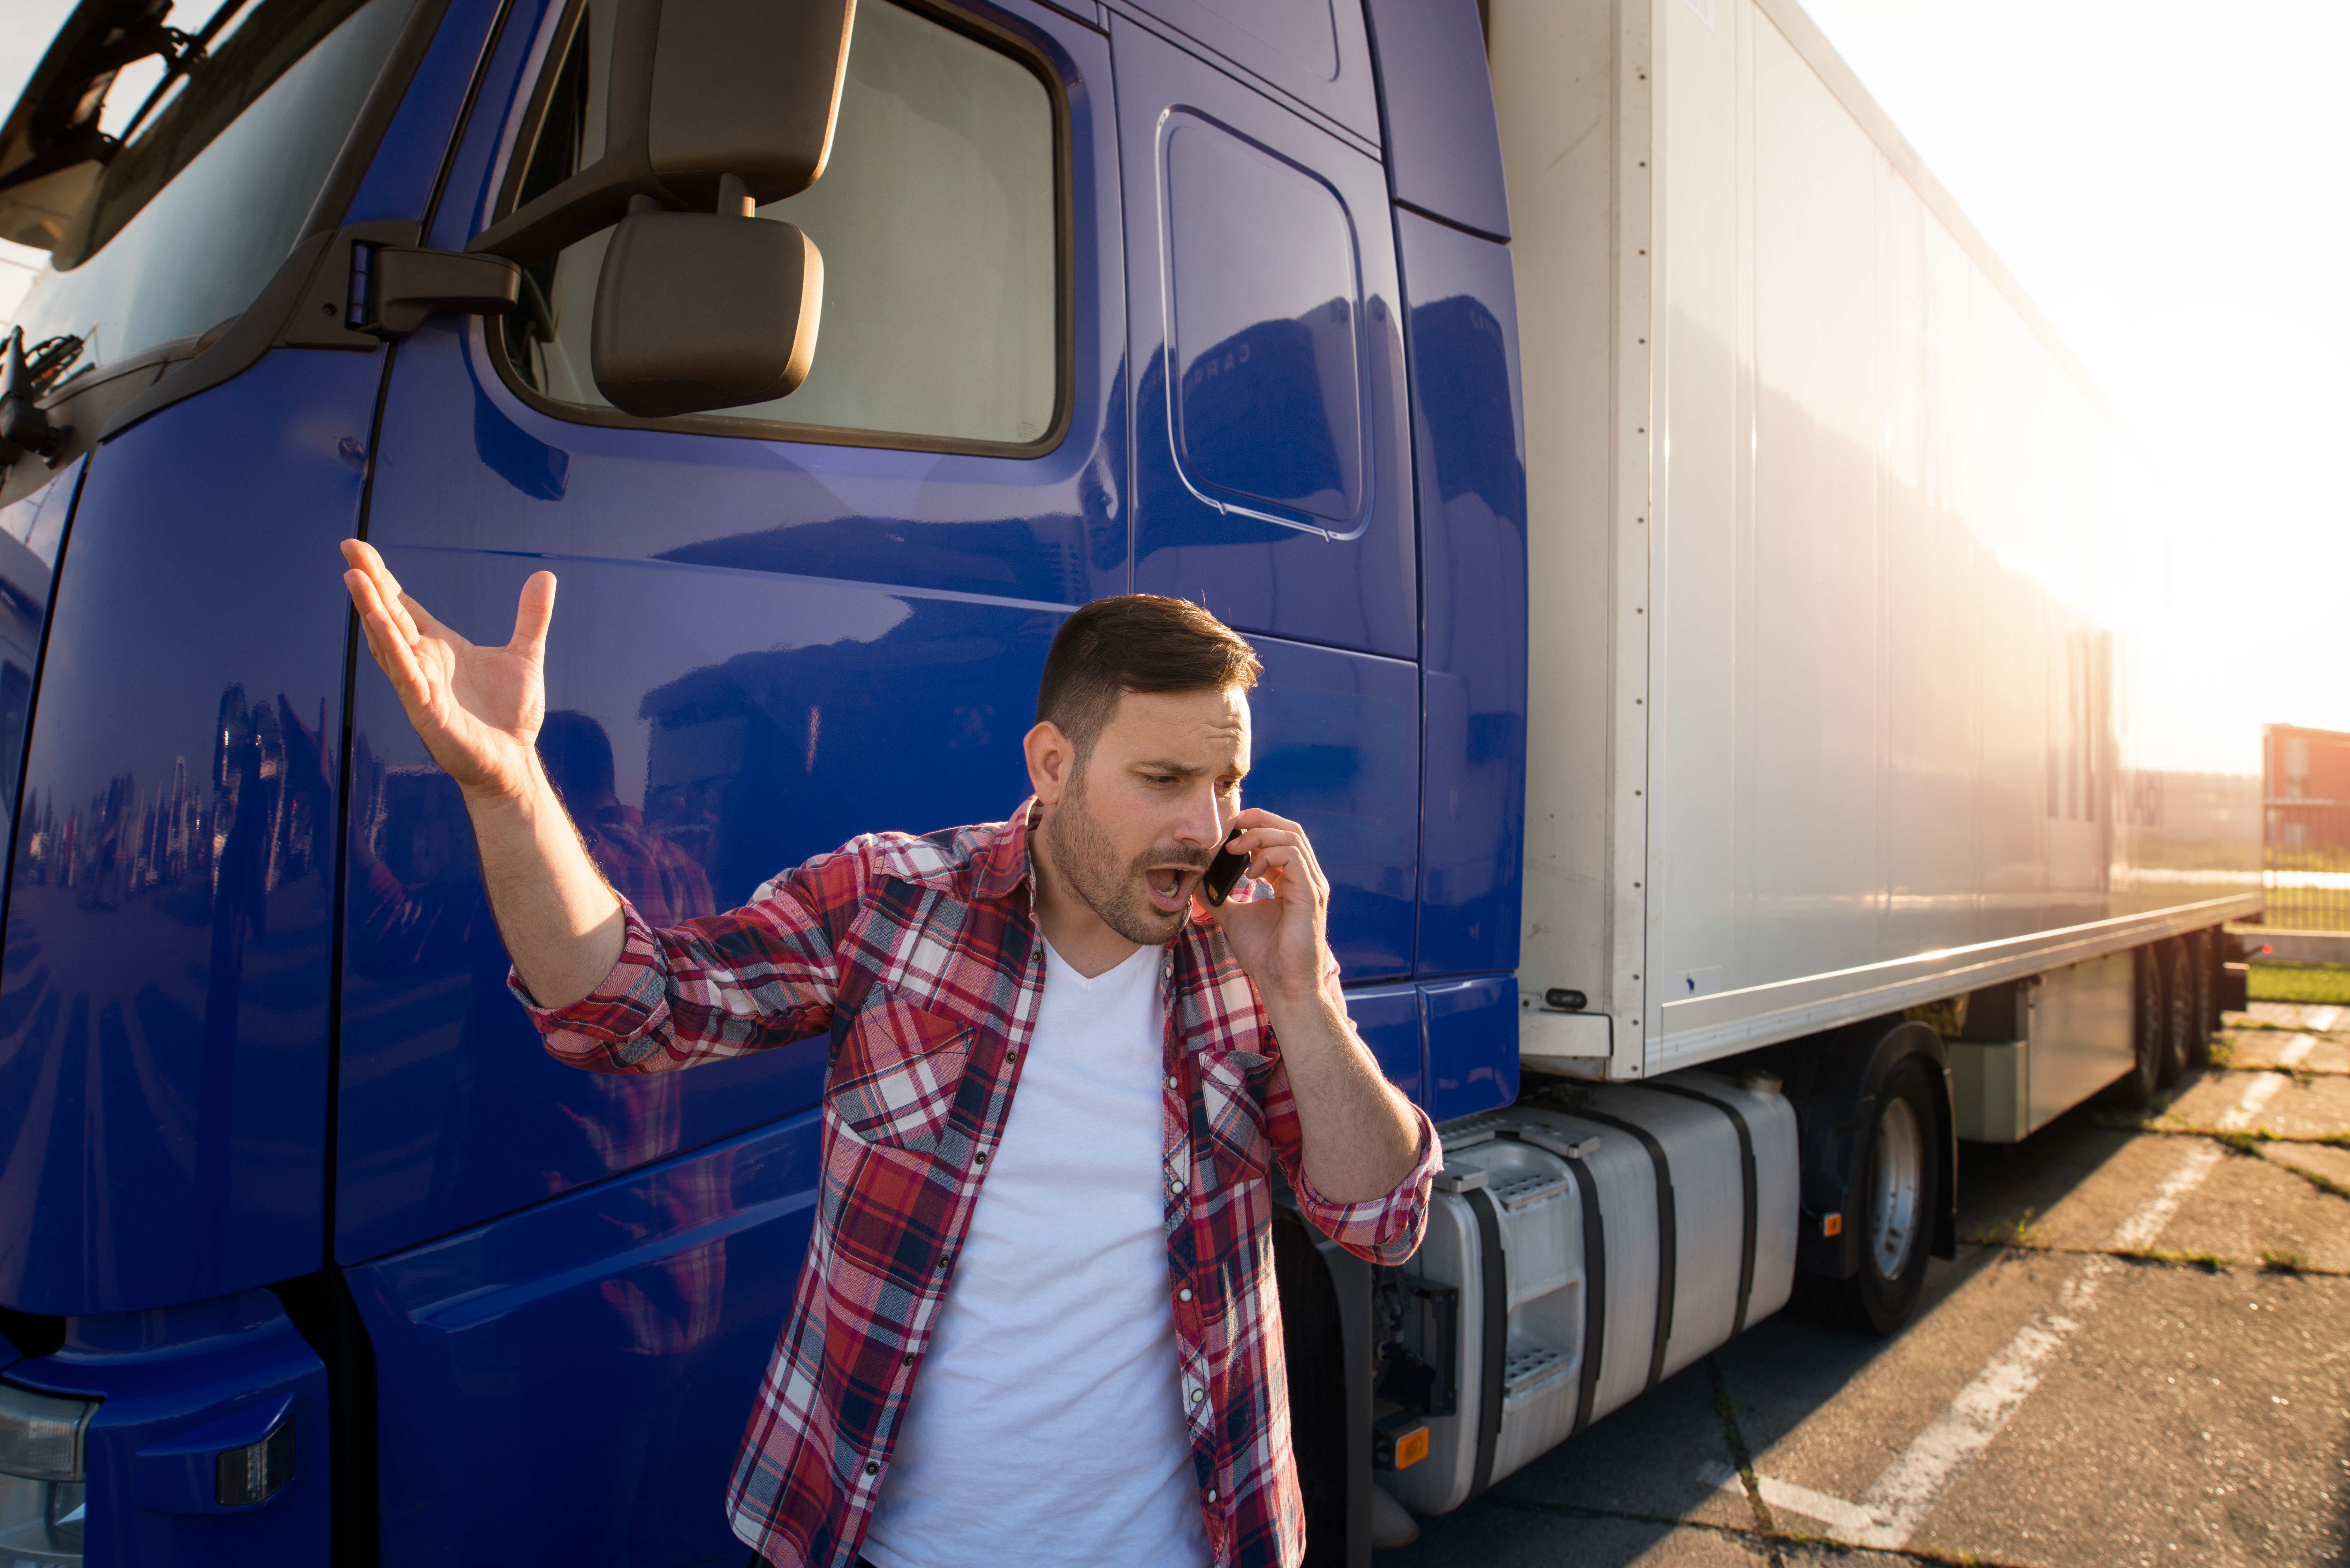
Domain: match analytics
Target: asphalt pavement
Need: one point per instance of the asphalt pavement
(2141, 1354)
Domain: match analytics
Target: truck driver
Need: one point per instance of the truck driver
(1037, 1320)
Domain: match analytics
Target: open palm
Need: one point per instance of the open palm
(478, 709)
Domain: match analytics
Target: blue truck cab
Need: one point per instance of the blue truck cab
(309, 1252)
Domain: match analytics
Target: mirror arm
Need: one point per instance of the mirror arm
(404, 287)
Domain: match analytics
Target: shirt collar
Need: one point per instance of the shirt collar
(1005, 866)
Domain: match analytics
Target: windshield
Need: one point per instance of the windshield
(201, 204)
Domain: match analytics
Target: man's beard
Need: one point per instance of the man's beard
(1083, 858)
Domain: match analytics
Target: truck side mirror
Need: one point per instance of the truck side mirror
(704, 310)
(701, 91)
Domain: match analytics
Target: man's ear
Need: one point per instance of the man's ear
(1052, 761)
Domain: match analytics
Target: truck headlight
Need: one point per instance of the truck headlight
(42, 1484)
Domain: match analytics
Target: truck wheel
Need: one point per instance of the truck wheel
(2179, 1009)
(2201, 964)
(1890, 1208)
(1897, 1189)
(2150, 1030)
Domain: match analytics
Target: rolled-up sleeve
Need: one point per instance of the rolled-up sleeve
(1382, 1229)
(720, 986)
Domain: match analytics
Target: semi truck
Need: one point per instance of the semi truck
(1697, 591)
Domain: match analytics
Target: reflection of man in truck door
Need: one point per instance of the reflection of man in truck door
(1048, 1336)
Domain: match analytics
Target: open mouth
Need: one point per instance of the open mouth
(1170, 886)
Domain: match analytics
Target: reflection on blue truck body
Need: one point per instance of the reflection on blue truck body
(282, 1152)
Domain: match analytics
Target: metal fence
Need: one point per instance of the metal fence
(2306, 866)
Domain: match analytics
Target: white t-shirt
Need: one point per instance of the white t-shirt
(1045, 1426)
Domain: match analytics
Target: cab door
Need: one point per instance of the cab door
(777, 627)
(1272, 459)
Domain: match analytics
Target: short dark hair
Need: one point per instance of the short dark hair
(1135, 642)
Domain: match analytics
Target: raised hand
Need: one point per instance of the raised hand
(477, 708)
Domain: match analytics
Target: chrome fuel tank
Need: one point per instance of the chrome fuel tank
(1585, 1244)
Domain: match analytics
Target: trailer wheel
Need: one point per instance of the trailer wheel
(2150, 1030)
(2200, 965)
(1891, 1209)
(2178, 1009)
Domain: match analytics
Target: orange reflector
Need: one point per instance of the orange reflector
(1832, 1225)
(1411, 1448)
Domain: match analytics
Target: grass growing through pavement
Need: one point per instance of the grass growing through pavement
(2306, 983)
(2282, 1260)
(2020, 1232)
(2209, 1263)
(2317, 1178)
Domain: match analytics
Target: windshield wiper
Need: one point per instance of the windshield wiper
(190, 52)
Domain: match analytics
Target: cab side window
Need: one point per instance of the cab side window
(936, 219)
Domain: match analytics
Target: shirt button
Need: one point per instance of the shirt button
(1009, 1057)
(909, 1358)
(1195, 1396)
(981, 1157)
(873, 1470)
(1177, 1184)
(1170, 1082)
(1184, 1295)
(1212, 1494)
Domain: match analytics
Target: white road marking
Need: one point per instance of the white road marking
(2296, 1051)
(2256, 1096)
(2322, 1019)
(1899, 1499)
(2146, 1222)
(1786, 1497)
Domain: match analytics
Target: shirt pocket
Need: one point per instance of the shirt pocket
(899, 1067)
(1232, 1106)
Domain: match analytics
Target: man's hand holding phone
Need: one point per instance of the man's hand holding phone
(1281, 942)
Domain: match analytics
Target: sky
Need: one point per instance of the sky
(2168, 183)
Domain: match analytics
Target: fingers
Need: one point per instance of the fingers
(373, 619)
(532, 613)
(398, 659)
(393, 648)
(1260, 839)
(368, 562)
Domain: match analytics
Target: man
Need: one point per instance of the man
(1037, 1321)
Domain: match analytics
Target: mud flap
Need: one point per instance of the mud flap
(1326, 1322)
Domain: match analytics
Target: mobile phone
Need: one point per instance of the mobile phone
(1223, 871)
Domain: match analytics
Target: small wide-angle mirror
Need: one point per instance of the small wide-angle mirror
(697, 311)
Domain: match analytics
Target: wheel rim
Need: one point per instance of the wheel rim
(1898, 1171)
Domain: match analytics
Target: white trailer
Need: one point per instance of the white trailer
(1836, 727)
(1830, 716)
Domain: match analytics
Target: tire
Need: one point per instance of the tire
(2149, 1027)
(1890, 1210)
(2201, 964)
(2179, 1008)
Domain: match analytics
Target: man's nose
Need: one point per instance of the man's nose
(1202, 824)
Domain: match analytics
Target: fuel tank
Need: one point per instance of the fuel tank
(1583, 1245)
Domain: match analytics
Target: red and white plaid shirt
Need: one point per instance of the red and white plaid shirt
(920, 955)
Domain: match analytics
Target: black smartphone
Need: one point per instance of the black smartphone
(1223, 871)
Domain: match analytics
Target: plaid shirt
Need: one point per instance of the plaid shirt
(921, 958)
